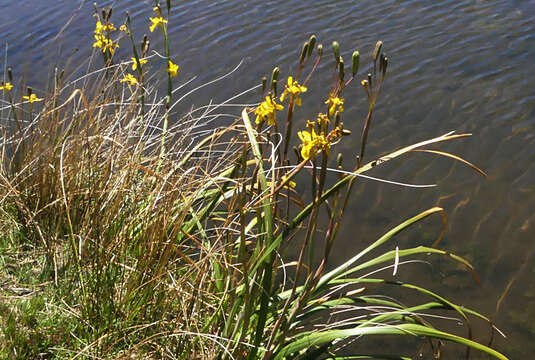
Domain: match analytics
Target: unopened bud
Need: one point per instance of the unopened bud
(339, 159)
(320, 50)
(385, 61)
(355, 62)
(274, 87)
(304, 52)
(10, 74)
(370, 80)
(378, 47)
(341, 69)
(311, 44)
(275, 74)
(346, 132)
(264, 83)
(336, 51)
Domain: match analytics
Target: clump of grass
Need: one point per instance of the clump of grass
(161, 236)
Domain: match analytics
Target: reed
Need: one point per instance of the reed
(130, 230)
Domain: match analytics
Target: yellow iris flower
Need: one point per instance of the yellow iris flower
(99, 28)
(172, 69)
(294, 89)
(130, 79)
(157, 21)
(6, 87)
(141, 61)
(31, 98)
(333, 103)
(267, 109)
(312, 142)
(104, 43)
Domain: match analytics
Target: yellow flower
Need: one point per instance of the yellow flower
(266, 109)
(134, 65)
(123, 28)
(157, 21)
(99, 28)
(172, 68)
(294, 89)
(291, 182)
(333, 103)
(312, 142)
(32, 98)
(6, 87)
(130, 79)
(104, 43)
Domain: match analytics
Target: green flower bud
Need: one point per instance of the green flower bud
(378, 47)
(311, 44)
(10, 74)
(385, 64)
(264, 83)
(275, 74)
(355, 62)
(336, 51)
(274, 87)
(339, 160)
(320, 50)
(341, 69)
(304, 52)
(370, 80)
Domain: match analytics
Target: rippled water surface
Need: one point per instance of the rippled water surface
(454, 65)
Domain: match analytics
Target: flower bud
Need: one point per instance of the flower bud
(385, 64)
(274, 87)
(341, 69)
(311, 44)
(339, 160)
(364, 84)
(264, 83)
(370, 80)
(10, 74)
(320, 50)
(378, 47)
(355, 62)
(336, 51)
(275, 74)
(304, 52)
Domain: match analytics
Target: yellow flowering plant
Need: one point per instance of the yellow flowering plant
(266, 110)
(172, 68)
(159, 221)
(293, 88)
(32, 98)
(6, 87)
(335, 102)
(134, 62)
(130, 79)
(157, 21)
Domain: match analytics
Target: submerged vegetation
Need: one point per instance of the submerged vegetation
(129, 230)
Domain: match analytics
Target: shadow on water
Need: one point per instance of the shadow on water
(454, 65)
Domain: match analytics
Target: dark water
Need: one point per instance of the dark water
(454, 65)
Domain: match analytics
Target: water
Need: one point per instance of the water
(454, 65)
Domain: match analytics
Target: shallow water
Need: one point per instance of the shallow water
(454, 65)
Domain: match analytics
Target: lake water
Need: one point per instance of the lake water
(453, 65)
